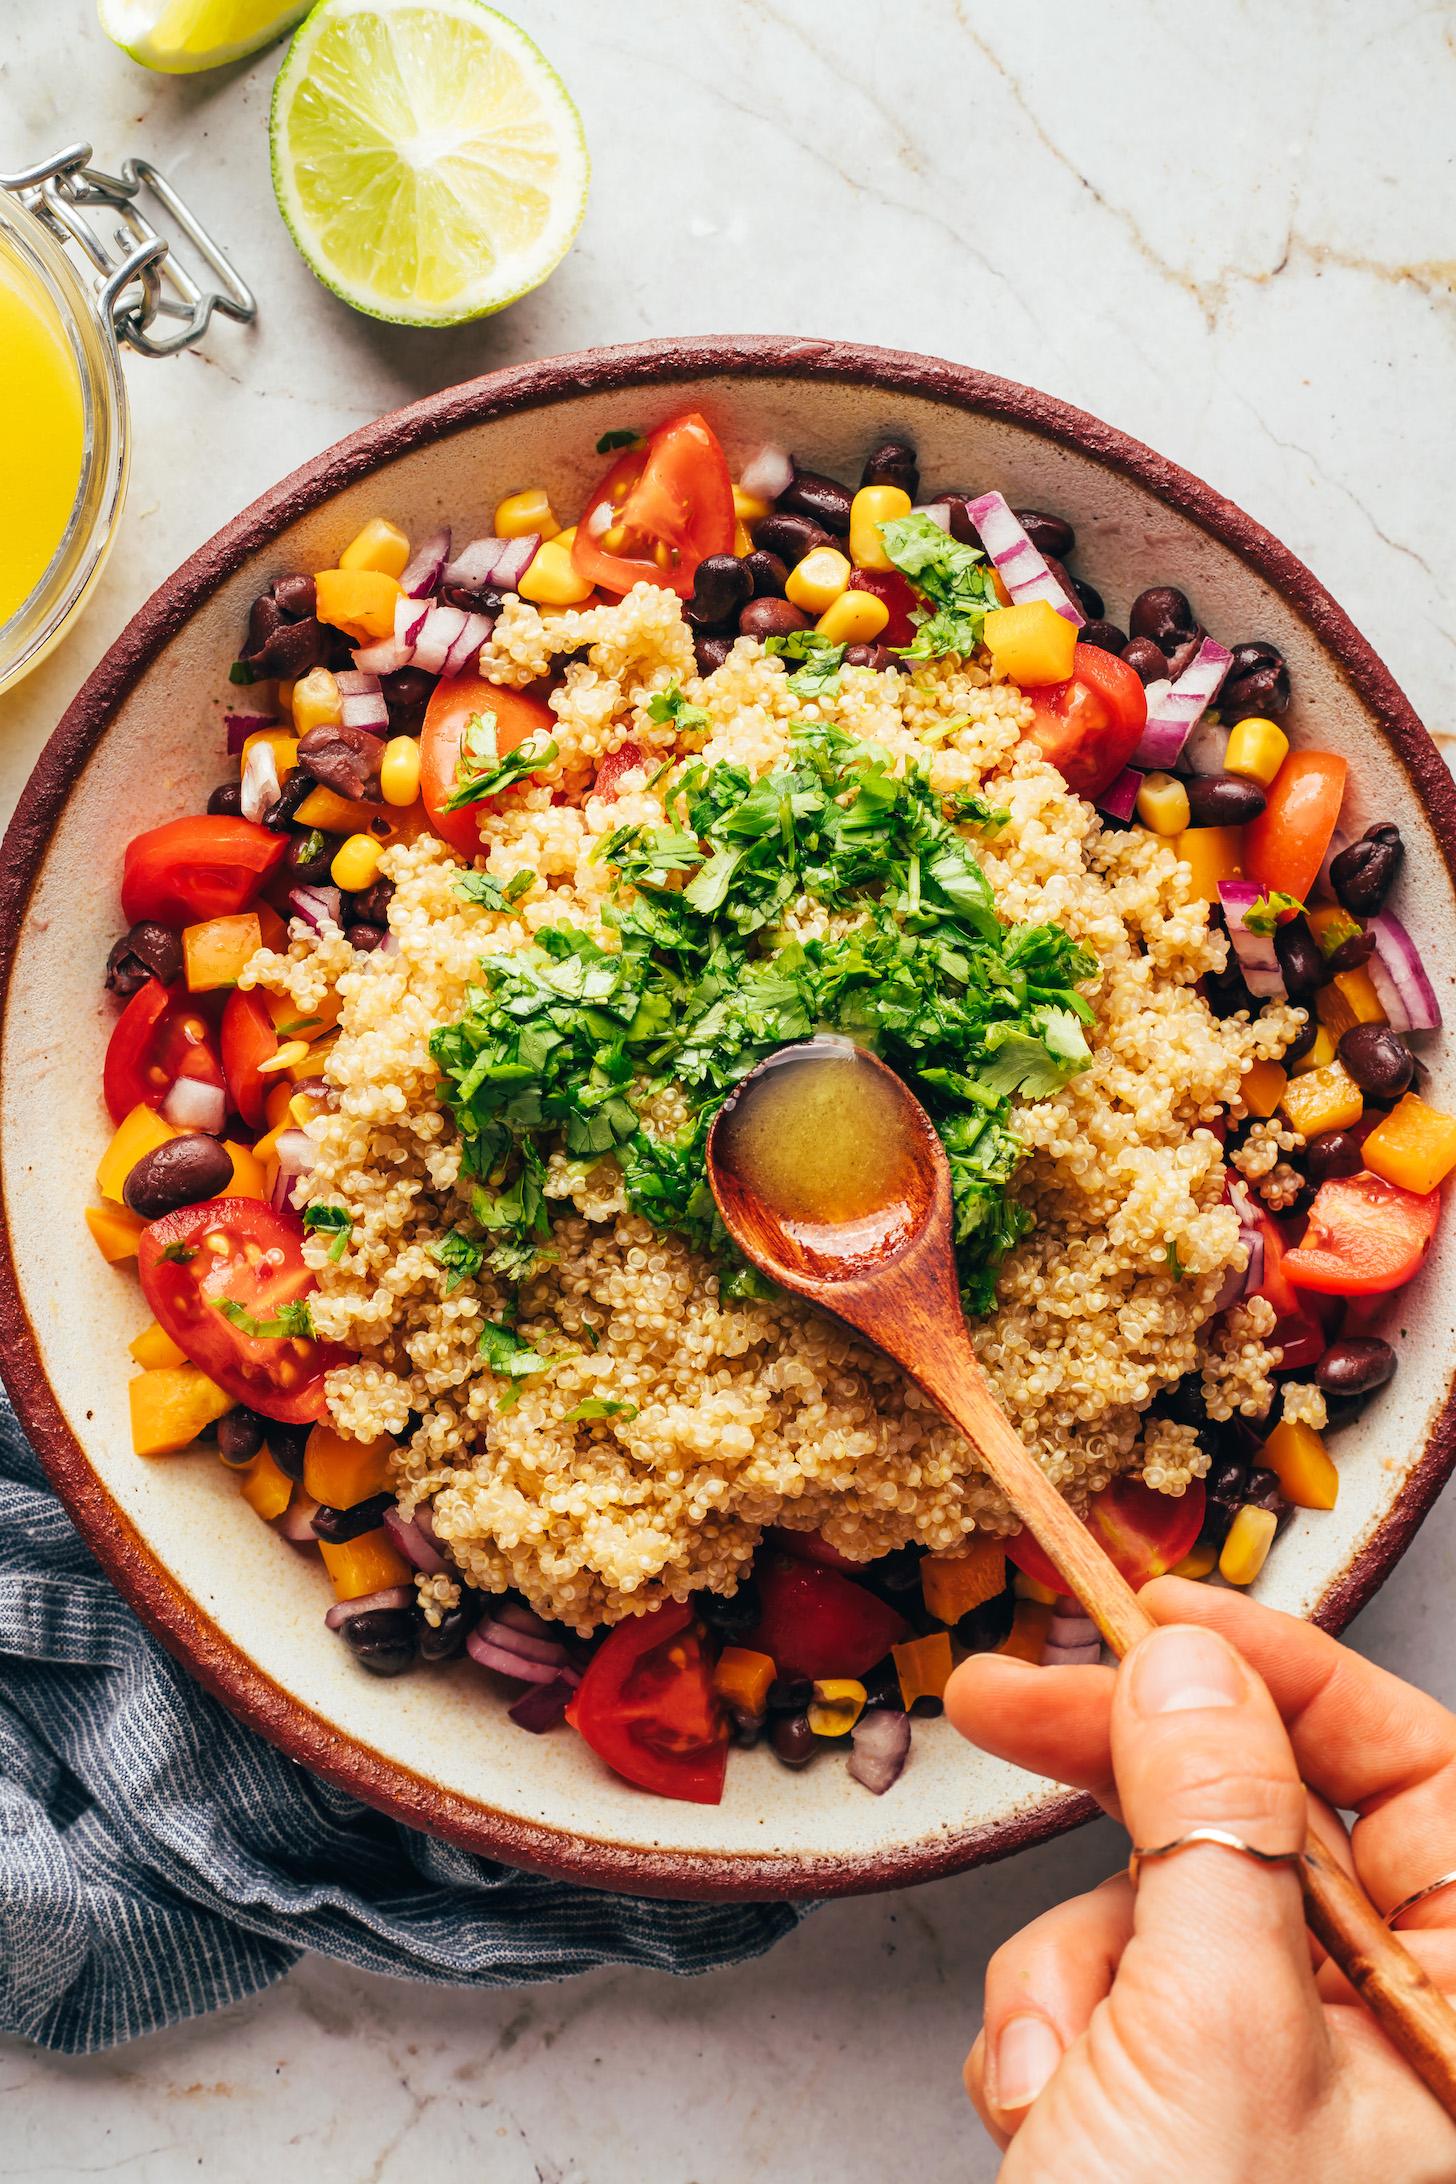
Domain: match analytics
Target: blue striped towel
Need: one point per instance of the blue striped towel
(158, 1860)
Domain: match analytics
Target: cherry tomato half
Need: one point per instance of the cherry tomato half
(249, 1038)
(1088, 728)
(241, 1252)
(452, 706)
(1276, 1284)
(1365, 1236)
(898, 594)
(816, 1623)
(647, 1707)
(1146, 1534)
(161, 1035)
(658, 512)
(612, 768)
(1285, 847)
(196, 868)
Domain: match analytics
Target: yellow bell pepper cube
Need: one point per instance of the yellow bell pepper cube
(1250, 1537)
(742, 1677)
(289, 1023)
(142, 1132)
(247, 1179)
(316, 702)
(313, 1061)
(1349, 999)
(369, 1564)
(1332, 917)
(836, 1705)
(1197, 1562)
(1306, 1475)
(117, 1232)
(873, 505)
(1257, 750)
(747, 507)
(380, 545)
(1415, 1146)
(522, 513)
(1324, 1099)
(154, 1347)
(360, 602)
(265, 1487)
(272, 927)
(1032, 644)
(951, 1585)
(818, 580)
(217, 952)
(1320, 1055)
(1263, 1088)
(552, 579)
(742, 539)
(856, 618)
(341, 1472)
(1032, 1588)
(281, 743)
(1211, 854)
(331, 813)
(1162, 804)
(923, 1666)
(170, 1406)
(1026, 1641)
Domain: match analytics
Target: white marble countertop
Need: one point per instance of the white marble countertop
(1227, 232)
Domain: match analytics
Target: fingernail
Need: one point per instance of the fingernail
(1027, 2053)
(1181, 1668)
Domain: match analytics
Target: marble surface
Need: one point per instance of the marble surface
(1225, 232)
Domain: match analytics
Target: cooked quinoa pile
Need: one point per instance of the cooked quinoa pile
(736, 1415)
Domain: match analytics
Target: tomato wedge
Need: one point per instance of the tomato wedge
(1089, 727)
(1276, 1285)
(658, 512)
(816, 1623)
(624, 760)
(238, 1251)
(1285, 847)
(196, 868)
(898, 594)
(161, 1035)
(1365, 1236)
(647, 1707)
(1146, 1534)
(452, 705)
(248, 1039)
(811, 1547)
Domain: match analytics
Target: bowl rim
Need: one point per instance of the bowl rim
(148, 1587)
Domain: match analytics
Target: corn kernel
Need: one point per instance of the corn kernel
(552, 581)
(399, 770)
(747, 507)
(856, 618)
(1250, 1537)
(521, 513)
(1162, 804)
(818, 580)
(357, 864)
(1257, 750)
(836, 1706)
(316, 702)
(381, 546)
(1031, 643)
(873, 505)
(1197, 1562)
(293, 1050)
(1262, 1088)
(742, 539)
(1320, 1055)
(565, 539)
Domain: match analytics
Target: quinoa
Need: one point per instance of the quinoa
(731, 1416)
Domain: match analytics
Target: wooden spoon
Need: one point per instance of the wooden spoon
(831, 1178)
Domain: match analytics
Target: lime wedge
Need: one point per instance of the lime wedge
(181, 36)
(427, 160)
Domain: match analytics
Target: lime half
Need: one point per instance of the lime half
(181, 36)
(428, 161)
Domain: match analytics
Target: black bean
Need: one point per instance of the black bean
(447, 1638)
(1184, 655)
(721, 587)
(793, 1740)
(1184, 1402)
(1257, 683)
(297, 596)
(823, 499)
(297, 789)
(338, 1525)
(365, 938)
(1354, 1364)
(1378, 1059)
(896, 1572)
(406, 693)
(1299, 957)
(1090, 600)
(1363, 875)
(1145, 659)
(1333, 1153)
(893, 463)
(226, 801)
(1351, 953)
(183, 1172)
(1223, 800)
(731, 1619)
(927, 1707)
(768, 573)
(747, 1730)
(1342, 1411)
(292, 649)
(789, 1694)
(310, 857)
(286, 1446)
(879, 657)
(987, 1627)
(1106, 636)
(382, 1639)
(710, 653)
(265, 616)
(346, 760)
(788, 536)
(1227, 995)
(372, 906)
(148, 951)
(1048, 534)
(882, 1686)
(240, 1435)
(1162, 613)
(1263, 1492)
(1302, 1041)
(770, 618)
(1224, 1491)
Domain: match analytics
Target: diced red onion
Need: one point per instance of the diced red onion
(1207, 744)
(498, 562)
(477, 628)
(1253, 1241)
(1072, 1630)
(1230, 1289)
(544, 1705)
(480, 1649)
(316, 905)
(1083, 1656)
(193, 1105)
(425, 1519)
(507, 1640)
(768, 472)
(1173, 708)
(881, 1743)
(1119, 798)
(412, 1543)
(242, 725)
(280, 1198)
(938, 512)
(442, 625)
(1236, 1194)
(357, 685)
(366, 711)
(385, 658)
(1324, 886)
(296, 1152)
(296, 1522)
(394, 1596)
(1021, 568)
(423, 574)
(514, 562)
(519, 1617)
(410, 617)
(261, 787)
(1399, 977)
(1218, 1127)
(1255, 951)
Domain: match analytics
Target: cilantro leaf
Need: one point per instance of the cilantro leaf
(506, 1355)
(178, 1255)
(957, 580)
(611, 440)
(1262, 916)
(600, 1406)
(293, 1319)
(490, 894)
(461, 1259)
(240, 673)
(331, 1217)
(1175, 1266)
(670, 705)
(818, 677)
(1334, 932)
(480, 771)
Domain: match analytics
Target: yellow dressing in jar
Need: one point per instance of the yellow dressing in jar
(42, 431)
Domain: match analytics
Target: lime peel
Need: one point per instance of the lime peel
(180, 37)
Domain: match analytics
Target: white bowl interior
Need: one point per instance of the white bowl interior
(161, 756)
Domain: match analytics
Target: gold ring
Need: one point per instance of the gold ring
(1229, 1842)
(1442, 1880)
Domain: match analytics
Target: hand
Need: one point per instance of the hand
(1192, 2030)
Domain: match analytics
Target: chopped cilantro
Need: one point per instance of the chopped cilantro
(178, 1255)
(240, 672)
(480, 771)
(1334, 933)
(1262, 916)
(1175, 1266)
(600, 1406)
(293, 1319)
(671, 705)
(490, 894)
(507, 1356)
(461, 1258)
(611, 440)
(818, 677)
(299, 1025)
(957, 581)
(331, 1217)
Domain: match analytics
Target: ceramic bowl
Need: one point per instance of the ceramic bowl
(142, 743)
